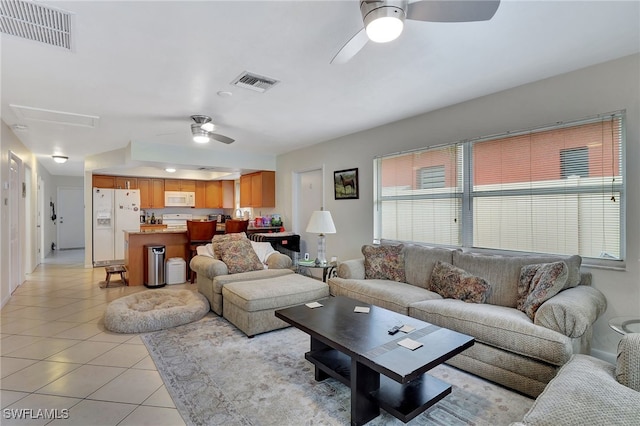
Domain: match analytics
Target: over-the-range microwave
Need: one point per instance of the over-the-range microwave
(179, 199)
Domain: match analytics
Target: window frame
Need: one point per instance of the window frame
(468, 195)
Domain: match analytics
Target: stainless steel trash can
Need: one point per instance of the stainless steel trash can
(154, 266)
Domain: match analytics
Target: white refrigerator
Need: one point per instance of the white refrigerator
(114, 211)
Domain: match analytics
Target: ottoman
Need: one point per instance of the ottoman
(251, 305)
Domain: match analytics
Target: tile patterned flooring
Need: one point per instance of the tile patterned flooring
(57, 357)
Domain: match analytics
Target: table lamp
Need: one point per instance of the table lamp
(321, 223)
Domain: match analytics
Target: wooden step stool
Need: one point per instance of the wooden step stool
(115, 269)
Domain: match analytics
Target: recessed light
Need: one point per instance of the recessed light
(60, 158)
(170, 170)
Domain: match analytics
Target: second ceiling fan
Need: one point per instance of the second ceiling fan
(202, 130)
(384, 20)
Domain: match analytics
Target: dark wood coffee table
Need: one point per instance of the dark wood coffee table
(356, 349)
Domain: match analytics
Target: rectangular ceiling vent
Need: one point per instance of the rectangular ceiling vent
(34, 21)
(254, 82)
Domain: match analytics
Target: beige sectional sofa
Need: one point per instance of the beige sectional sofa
(511, 349)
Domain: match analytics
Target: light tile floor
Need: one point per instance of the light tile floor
(56, 355)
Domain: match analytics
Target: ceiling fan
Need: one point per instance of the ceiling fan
(202, 130)
(384, 19)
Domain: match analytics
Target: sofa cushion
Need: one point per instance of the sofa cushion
(503, 272)
(239, 256)
(222, 280)
(223, 238)
(384, 262)
(498, 326)
(394, 296)
(538, 283)
(455, 283)
(419, 262)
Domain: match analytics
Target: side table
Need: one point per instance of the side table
(625, 325)
(328, 270)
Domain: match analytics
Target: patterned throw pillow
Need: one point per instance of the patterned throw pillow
(455, 283)
(384, 262)
(239, 256)
(539, 283)
(223, 238)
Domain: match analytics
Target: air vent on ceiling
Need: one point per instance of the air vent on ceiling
(254, 82)
(58, 117)
(34, 21)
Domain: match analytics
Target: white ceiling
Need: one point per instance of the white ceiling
(144, 67)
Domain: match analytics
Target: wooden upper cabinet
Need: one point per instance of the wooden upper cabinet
(101, 181)
(184, 185)
(200, 194)
(258, 189)
(151, 193)
(213, 195)
(228, 194)
(121, 182)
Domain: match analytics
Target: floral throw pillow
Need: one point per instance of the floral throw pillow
(384, 262)
(452, 282)
(539, 283)
(223, 238)
(239, 256)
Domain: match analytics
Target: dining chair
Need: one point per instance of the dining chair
(199, 233)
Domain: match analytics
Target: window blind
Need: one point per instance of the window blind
(557, 189)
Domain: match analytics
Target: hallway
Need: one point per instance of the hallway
(56, 355)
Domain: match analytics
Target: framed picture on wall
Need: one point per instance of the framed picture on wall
(345, 184)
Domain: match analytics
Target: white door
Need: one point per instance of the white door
(15, 274)
(29, 226)
(70, 218)
(309, 198)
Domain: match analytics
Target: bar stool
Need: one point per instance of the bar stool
(232, 226)
(199, 234)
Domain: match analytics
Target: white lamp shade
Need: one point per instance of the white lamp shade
(321, 223)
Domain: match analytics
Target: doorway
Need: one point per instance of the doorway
(70, 218)
(308, 196)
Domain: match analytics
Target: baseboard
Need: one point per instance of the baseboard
(605, 356)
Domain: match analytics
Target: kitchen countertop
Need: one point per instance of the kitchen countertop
(158, 231)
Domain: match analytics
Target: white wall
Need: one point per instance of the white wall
(10, 143)
(603, 88)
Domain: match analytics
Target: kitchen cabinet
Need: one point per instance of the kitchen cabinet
(121, 182)
(201, 202)
(213, 194)
(228, 194)
(258, 189)
(180, 185)
(151, 193)
(102, 181)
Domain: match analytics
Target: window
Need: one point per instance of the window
(553, 190)
(431, 177)
(574, 162)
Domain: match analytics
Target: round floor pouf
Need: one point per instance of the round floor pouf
(152, 310)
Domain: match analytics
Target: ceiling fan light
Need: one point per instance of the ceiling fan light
(385, 29)
(201, 138)
(208, 127)
(60, 158)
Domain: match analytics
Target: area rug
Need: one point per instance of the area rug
(218, 376)
(152, 310)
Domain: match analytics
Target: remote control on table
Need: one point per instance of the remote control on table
(395, 329)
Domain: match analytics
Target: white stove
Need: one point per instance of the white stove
(176, 220)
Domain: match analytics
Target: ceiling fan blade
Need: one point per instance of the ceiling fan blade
(352, 47)
(452, 10)
(220, 138)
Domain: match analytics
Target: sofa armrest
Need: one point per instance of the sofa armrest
(351, 269)
(628, 364)
(572, 311)
(208, 266)
(279, 261)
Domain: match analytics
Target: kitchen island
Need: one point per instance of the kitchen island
(175, 242)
